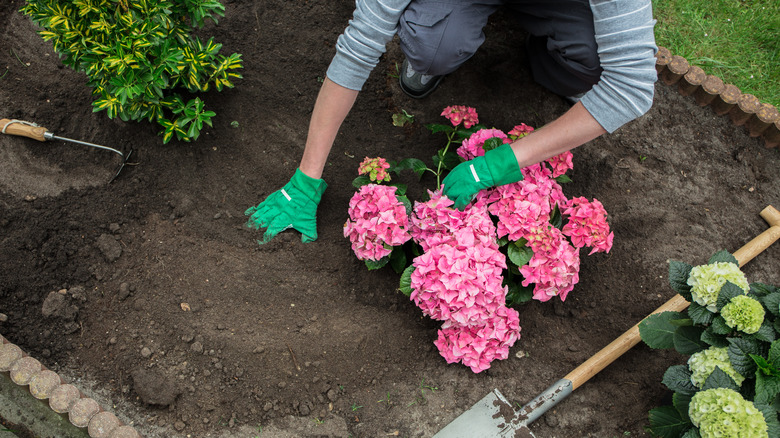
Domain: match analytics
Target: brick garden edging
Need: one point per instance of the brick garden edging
(759, 119)
(63, 398)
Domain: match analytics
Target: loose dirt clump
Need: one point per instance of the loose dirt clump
(164, 287)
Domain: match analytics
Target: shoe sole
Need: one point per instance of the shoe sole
(416, 95)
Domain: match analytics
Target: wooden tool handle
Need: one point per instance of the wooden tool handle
(14, 127)
(631, 337)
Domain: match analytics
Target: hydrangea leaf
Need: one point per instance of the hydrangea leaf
(761, 289)
(398, 259)
(681, 403)
(563, 179)
(373, 265)
(719, 326)
(492, 143)
(400, 189)
(360, 181)
(406, 202)
(678, 379)
(765, 333)
(714, 339)
(740, 350)
(518, 294)
(770, 415)
(406, 281)
(687, 340)
(678, 278)
(519, 254)
(699, 314)
(415, 165)
(657, 331)
(727, 292)
(436, 127)
(723, 256)
(719, 379)
(691, 433)
(666, 422)
(774, 354)
(771, 302)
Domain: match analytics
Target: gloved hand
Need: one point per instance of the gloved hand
(292, 206)
(497, 167)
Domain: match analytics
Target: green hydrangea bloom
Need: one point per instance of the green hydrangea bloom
(706, 281)
(743, 313)
(703, 363)
(722, 412)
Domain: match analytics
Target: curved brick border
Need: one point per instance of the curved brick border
(65, 399)
(759, 119)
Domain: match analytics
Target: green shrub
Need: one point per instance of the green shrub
(139, 55)
(730, 385)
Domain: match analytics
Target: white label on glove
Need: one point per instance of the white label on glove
(474, 172)
(286, 195)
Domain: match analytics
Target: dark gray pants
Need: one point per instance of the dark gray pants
(437, 36)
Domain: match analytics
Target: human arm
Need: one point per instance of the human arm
(357, 52)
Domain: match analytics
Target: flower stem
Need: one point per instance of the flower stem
(438, 169)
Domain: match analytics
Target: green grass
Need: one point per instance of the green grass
(736, 40)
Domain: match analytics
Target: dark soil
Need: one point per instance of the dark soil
(169, 299)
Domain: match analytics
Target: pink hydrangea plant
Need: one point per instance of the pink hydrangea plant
(587, 225)
(377, 222)
(375, 168)
(472, 146)
(460, 113)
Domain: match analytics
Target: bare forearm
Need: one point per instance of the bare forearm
(573, 128)
(331, 108)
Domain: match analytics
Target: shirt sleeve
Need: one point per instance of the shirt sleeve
(373, 25)
(626, 47)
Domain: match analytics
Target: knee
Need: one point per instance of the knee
(433, 44)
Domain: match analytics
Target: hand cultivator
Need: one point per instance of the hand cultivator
(32, 130)
(494, 417)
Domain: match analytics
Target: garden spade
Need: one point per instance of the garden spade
(32, 130)
(494, 417)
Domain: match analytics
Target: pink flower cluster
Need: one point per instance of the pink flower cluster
(460, 113)
(478, 345)
(587, 225)
(472, 146)
(375, 168)
(554, 267)
(561, 163)
(377, 222)
(520, 130)
(459, 280)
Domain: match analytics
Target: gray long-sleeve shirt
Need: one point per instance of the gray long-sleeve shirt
(624, 35)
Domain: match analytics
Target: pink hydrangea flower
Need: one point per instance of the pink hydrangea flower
(377, 222)
(477, 346)
(526, 204)
(519, 131)
(472, 146)
(375, 168)
(554, 272)
(587, 225)
(460, 113)
(561, 163)
(461, 284)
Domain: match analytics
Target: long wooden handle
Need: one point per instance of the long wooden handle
(631, 337)
(13, 127)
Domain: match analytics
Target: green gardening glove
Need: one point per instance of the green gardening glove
(497, 167)
(292, 206)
